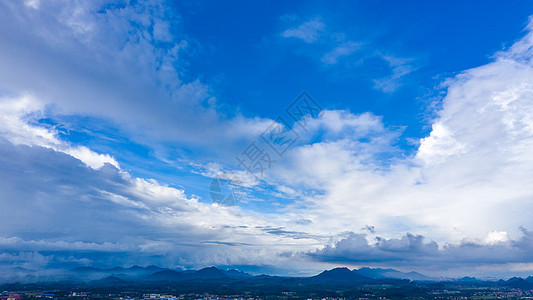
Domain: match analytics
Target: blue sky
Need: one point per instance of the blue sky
(116, 117)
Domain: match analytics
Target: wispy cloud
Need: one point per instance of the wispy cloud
(340, 51)
(309, 31)
(122, 63)
(398, 68)
(340, 47)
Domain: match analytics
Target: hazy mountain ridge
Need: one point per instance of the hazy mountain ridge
(378, 273)
(153, 275)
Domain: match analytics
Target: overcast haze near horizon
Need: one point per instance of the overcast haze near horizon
(115, 117)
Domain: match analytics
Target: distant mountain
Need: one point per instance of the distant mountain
(136, 268)
(110, 281)
(118, 269)
(209, 273)
(131, 274)
(517, 282)
(237, 274)
(378, 273)
(344, 274)
(86, 269)
(154, 273)
(339, 280)
(153, 268)
(372, 273)
(91, 269)
(339, 275)
(468, 279)
(203, 274)
(166, 275)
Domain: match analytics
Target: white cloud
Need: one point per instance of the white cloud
(161, 31)
(340, 51)
(99, 60)
(469, 180)
(496, 237)
(340, 47)
(121, 63)
(33, 3)
(414, 252)
(102, 211)
(15, 115)
(309, 31)
(439, 145)
(399, 67)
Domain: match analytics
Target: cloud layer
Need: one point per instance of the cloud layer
(345, 194)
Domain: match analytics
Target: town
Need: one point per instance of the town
(364, 292)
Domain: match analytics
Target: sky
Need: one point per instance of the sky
(272, 137)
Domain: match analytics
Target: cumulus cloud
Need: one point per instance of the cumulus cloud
(465, 190)
(120, 62)
(95, 213)
(414, 251)
(14, 126)
(468, 181)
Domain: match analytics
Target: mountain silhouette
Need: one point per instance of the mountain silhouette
(339, 275)
(378, 273)
(166, 275)
(209, 273)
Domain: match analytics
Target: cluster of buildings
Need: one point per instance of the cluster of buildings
(11, 296)
(459, 294)
(194, 296)
(159, 297)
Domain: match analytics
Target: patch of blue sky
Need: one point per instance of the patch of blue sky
(249, 64)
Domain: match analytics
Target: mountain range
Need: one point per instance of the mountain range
(154, 273)
(215, 278)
